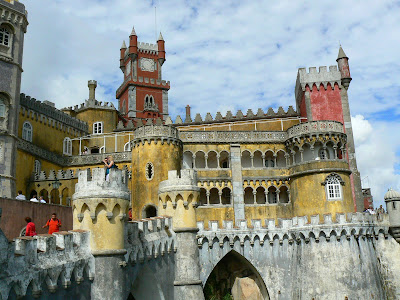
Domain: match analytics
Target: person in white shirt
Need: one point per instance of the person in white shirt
(41, 200)
(34, 199)
(20, 196)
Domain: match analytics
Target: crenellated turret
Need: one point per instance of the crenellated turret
(343, 64)
(392, 200)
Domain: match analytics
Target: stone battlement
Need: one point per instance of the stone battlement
(356, 219)
(48, 260)
(323, 76)
(229, 117)
(91, 103)
(148, 48)
(185, 180)
(149, 238)
(93, 184)
(46, 109)
(9, 12)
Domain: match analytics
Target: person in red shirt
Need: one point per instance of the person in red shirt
(54, 224)
(30, 227)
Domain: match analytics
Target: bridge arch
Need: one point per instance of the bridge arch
(220, 280)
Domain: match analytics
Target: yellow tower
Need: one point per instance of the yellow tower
(101, 207)
(156, 149)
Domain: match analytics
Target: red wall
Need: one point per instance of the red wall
(14, 212)
(326, 104)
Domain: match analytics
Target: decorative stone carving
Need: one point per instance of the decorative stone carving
(147, 64)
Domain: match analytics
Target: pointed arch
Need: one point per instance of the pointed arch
(237, 266)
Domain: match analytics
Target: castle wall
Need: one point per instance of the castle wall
(15, 211)
(316, 260)
(25, 167)
(91, 115)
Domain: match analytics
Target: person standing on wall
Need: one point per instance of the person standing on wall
(54, 224)
(30, 227)
(109, 163)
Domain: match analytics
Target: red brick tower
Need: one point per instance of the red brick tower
(323, 95)
(143, 94)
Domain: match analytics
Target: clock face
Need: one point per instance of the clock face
(147, 64)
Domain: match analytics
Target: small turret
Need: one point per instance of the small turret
(92, 84)
(133, 49)
(343, 64)
(122, 56)
(392, 200)
(161, 49)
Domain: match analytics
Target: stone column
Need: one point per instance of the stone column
(237, 183)
(101, 208)
(187, 284)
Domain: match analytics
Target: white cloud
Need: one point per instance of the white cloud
(224, 55)
(376, 147)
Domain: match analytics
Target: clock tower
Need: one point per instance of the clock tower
(143, 94)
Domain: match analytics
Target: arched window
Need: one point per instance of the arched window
(27, 131)
(2, 108)
(37, 167)
(5, 36)
(127, 146)
(97, 127)
(67, 146)
(333, 187)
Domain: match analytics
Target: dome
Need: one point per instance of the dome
(391, 194)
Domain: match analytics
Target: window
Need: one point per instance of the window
(333, 185)
(127, 146)
(67, 146)
(149, 171)
(37, 167)
(5, 36)
(97, 127)
(2, 108)
(323, 154)
(27, 131)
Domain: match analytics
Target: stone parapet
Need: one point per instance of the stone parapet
(93, 184)
(48, 260)
(315, 127)
(185, 181)
(91, 103)
(148, 239)
(156, 133)
(297, 228)
(50, 111)
(229, 137)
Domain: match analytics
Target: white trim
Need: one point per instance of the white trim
(67, 146)
(98, 129)
(27, 133)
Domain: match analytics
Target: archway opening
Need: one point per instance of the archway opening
(224, 281)
(150, 211)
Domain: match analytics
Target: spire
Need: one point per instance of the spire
(123, 45)
(133, 31)
(160, 37)
(341, 53)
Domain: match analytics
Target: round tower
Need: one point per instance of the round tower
(101, 207)
(392, 200)
(178, 198)
(344, 68)
(156, 149)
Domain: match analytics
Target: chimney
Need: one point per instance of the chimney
(92, 84)
(188, 119)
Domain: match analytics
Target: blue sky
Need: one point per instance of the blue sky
(229, 55)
